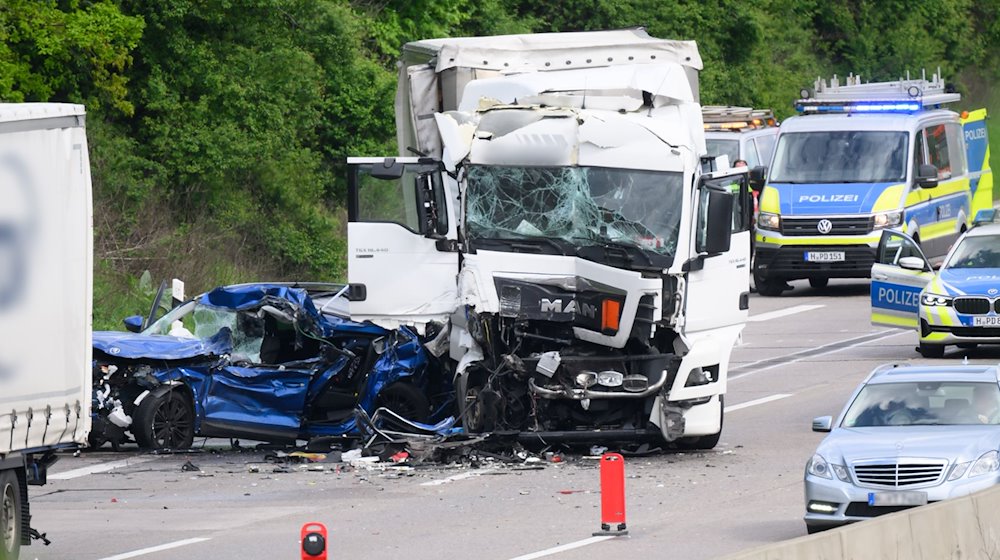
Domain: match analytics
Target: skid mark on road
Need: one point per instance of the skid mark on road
(784, 312)
(755, 402)
(777, 361)
(564, 548)
(158, 548)
(101, 467)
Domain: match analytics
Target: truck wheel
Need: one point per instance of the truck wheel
(705, 443)
(405, 400)
(819, 282)
(931, 350)
(164, 420)
(10, 516)
(768, 287)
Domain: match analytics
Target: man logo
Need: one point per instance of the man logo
(824, 226)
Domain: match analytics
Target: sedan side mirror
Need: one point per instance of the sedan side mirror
(823, 424)
(133, 323)
(913, 263)
(927, 176)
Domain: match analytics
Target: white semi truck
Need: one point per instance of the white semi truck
(553, 224)
(45, 301)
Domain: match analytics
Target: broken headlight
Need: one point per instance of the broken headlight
(586, 379)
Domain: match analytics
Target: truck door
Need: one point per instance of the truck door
(402, 242)
(978, 158)
(899, 274)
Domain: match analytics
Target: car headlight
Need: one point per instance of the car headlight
(958, 470)
(841, 472)
(586, 379)
(888, 219)
(986, 464)
(818, 466)
(768, 220)
(935, 300)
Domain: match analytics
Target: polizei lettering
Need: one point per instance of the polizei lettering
(901, 298)
(556, 306)
(978, 133)
(828, 198)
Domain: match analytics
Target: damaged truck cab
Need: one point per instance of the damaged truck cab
(559, 222)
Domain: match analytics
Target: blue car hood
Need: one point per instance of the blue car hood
(971, 281)
(828, 198)
(161, 347)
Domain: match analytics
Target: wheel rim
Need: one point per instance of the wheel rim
(400, 405)
(8, 521)
(171, 423)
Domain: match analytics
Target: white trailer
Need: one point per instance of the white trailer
(45, 300)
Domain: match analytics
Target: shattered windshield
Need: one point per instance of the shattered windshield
(196, 320)
(581, 205)
(840, 156)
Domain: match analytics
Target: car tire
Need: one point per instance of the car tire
(164, 420)
(813, 529)
(819, 282)
(705, 443)
(405, 400)
(767, 287)
(10, 515)
(931, 350)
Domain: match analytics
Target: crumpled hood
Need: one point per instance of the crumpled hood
(161, 347)
(971, 281)
(828, 198)
(951, 443)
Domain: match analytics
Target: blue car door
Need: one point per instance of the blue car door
(264, 402)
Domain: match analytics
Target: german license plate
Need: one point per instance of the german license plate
(897, 498)
(986, 321)
(824, 256)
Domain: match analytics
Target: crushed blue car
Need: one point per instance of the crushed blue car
(259, 362)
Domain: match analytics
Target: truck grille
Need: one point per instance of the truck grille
(860, 225)
(895, 474)
(972, 305)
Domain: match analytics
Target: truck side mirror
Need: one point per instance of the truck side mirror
(133, 323)
(757, 176)
(715, 234)
(927, 176)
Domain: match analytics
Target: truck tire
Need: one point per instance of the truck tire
(819, 282)
(705, 443)
(164, 420)
(10, 516)
(405, 400)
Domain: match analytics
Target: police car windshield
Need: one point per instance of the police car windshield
(980, 251)
(840, 156)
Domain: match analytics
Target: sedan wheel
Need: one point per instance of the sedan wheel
(164, 420)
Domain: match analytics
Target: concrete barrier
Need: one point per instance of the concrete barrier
(966, 528)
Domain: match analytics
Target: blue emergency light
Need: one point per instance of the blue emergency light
(867, 107)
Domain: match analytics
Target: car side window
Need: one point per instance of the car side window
(939, 154)
(765, 147)
(895, 247)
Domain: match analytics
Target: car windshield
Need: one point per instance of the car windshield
(925, 403)
(196, 320)
(729, 148)
(581, 205)
(840, 156)
(978, 251)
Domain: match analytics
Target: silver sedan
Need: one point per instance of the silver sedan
(910, 435)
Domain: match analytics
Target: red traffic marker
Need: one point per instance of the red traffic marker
(313, 539)
(612, 495)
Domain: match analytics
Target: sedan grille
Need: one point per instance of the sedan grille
(896, 474)
(972, 305)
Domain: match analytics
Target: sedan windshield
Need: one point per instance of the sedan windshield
(838, 156)
(927, 403)
(581, 205)
(978, 251)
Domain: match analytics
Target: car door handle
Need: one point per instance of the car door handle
(880, 276)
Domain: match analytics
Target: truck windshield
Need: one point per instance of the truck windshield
(840, 156)
(581, 205)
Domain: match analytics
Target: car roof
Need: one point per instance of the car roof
(895, 373)
(854, 121)
(984, 230)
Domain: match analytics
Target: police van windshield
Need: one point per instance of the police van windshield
(730, 148)
(840, 156)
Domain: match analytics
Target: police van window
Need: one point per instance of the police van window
(840, 156)
(750, 154)
(956, 153)
(938, 153)
(919, 154)
(717, 147)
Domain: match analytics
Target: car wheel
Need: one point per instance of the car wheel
(164, 420)
(10, 516)
(768, 287)
(405, 400)
(813, 529)
(705, 443)
(819, 282)
(931, 350)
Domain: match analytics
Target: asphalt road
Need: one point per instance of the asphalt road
(802, 355)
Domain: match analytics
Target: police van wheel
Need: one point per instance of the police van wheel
(931, 350)
(769, 288)
(819, 282)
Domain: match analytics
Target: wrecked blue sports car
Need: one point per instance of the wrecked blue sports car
(256, 361)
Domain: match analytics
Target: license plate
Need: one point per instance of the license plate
(986, 321)
(824, 256)
(897, 498)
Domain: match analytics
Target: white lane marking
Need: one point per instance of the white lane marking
(784, 312)
(152, 549)
(564, 547)
(756, 402)
(453, 478)
(834, 347)
(101, 467)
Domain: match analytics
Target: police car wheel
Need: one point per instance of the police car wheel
(931, 350)
(819, 282)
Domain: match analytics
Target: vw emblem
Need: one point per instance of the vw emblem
(992, 291)
(824, 226)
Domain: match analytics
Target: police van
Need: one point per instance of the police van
(863, 158)
(740, 133)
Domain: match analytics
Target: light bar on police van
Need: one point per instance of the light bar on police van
(867, 107)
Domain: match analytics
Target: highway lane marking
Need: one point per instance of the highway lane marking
(101, 467)
(453, 478)
(847, 344)
(784, 312)
(158, 548)
(755, 402)
(564, 547)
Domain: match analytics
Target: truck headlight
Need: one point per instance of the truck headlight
(888, 219)
(586, 379)
(769, 221)
(989, 462)
(935, 300)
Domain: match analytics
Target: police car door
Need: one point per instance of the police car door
(899, 274)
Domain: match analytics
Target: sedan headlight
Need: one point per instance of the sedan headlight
(935, 300)
(989, 462)
(818, 466)
(888, 219)
(768, 220)
(958, 470)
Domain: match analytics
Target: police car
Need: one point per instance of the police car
(957, 305)
(863, 158)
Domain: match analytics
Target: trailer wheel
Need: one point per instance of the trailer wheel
(10, 516)
(164, 420)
